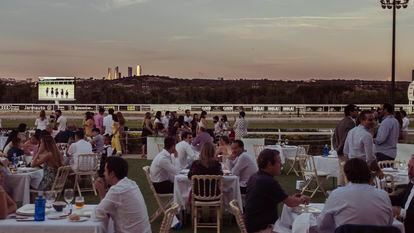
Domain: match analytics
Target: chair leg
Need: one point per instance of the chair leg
(77, 186)
(155, 215)
(218, 220)
(195, 220)
(93, 185)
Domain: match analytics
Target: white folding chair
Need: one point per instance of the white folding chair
(312, 176)
(168, 218)
(87, 167)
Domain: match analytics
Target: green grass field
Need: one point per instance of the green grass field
(135, 172)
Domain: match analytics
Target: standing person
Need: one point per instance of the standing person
(147, 130)
(50, 157)
(122, 135)
(405, 124)
(224, 147)
(240, 126)
(206, 165)
(61, 121)
(225, 125)
(116, 143)
(166, 120)
(264, 194)
(357, 203)
(187, 117)
(241, 164)
(387, 135)
(202, 137)
(108, 122)
(341, 131)
(98, 118)
(88, 124)
(194, 124)
(123, 201)
(158, 125)
(41, 122)
(218, 127)
(359, 142)
(203, 120)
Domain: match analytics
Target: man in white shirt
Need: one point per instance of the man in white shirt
(359, 141)
(403, 202)
(356, 203)
(162, 169)
(166, 120)
(405, 124)
(241, 164)
(108, 122)
(187, 117)
(80, 146)
(60, 121)
(185, 153)
(123, 202)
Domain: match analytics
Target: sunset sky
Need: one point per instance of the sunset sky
(275, 39)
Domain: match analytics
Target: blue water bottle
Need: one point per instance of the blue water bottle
(325, 150)
(40, 206)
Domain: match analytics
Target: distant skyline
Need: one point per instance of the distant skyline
(273, 39)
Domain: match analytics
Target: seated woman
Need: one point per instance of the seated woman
(51, 158)
(7, 205)
(31, 146)
(224, 148)
(206, 165)
(15, 149)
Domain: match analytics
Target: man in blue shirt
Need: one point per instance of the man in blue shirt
(387, 136)
(264, 193)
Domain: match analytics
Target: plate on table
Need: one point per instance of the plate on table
(27, 169)
(81, 219)
(57, 216)
(83, 213)
(306, 209)
(184, 171)
(389, 169)
(29, 210)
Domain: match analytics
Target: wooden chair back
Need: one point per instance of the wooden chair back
(235, 210)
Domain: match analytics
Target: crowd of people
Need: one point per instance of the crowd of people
(172, 125)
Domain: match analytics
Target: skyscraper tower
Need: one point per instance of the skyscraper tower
(129, 71)
(139, 70)
(116, 72)
(109, 76)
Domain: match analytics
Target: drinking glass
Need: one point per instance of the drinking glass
(69, 195)
(50, 197)
(79, 202)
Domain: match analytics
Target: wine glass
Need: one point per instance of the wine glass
(50, 197)
(69, 195)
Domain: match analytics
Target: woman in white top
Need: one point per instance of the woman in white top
(240, 126)
(41, 122)
(203, 120)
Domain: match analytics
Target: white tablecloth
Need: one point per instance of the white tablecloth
(400, 177)
(329, 165)
(182, 188)
(19, 184)
(63, 225)
(3, 140)
(285, 151)
(290, 219)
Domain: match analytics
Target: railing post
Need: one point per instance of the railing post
(331, 138)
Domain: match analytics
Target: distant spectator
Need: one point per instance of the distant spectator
(61, 121)
(88, 124)
(202, 123)
(116, 140)
(147, 130)
(97, 141)
(187, 117)
(201, 138)
(22, 132)
(158, 124)
(405, 124)
(41, 122)
(166, 120)
(80, 146)
(122, 122)
(108, 122)
(98, 118)
(387, 136)
(240, 126)
(194, 124)
(64, 136)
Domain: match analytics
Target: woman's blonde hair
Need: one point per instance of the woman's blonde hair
(207, 154)
(50, 146)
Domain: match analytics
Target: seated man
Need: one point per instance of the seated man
(123, 202)
(15, 149)
(64, 136)
(404, 204)
(356, 203)
(241, 164)
(185, 154)
(202, 137)
(80, 146)
(7, 205)
(264, 194)
(162, 169)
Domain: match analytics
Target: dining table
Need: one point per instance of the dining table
(55, 222)
(304, 219)
(285, 151)
(18, 183)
